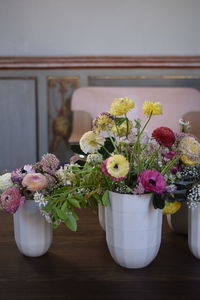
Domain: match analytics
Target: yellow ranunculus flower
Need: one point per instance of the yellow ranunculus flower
(190, 150)
(123, 129)
(121, 106)
(154, 108)
(117, 166)
(187, 161)
(171, 207)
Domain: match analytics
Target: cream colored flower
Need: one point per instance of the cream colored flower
(154, 108)
(190, 150)
(5, 181)
(121, 106)
(91, 142)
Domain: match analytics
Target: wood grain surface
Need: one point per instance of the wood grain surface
(79, 266)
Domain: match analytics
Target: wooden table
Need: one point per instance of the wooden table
(79, 266)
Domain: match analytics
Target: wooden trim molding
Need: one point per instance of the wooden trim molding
(99, 62)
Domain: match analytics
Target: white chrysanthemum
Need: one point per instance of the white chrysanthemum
(90, 142)
(5, 181)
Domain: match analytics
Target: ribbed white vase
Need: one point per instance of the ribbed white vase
(133, 229)
(33, 235)
(101, 215)
(194, 230)
(178, 222)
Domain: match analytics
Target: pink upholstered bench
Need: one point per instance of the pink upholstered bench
(89, 102)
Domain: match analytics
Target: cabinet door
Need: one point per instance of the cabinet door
(18, 123)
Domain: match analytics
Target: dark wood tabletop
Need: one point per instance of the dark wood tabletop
(78, 266)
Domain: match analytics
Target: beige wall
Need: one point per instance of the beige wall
(99, 27)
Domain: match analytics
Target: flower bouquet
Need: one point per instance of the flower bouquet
(118, 160)
(22, 193)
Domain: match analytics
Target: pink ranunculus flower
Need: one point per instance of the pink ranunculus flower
(152, 181)
(11, 199)
(35, 182)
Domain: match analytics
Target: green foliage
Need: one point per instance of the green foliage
(105, 198)
(158, 201)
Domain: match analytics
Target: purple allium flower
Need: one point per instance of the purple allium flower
(50, 163)
(152, 181)
(35, 182)
(18, 174)
(11, 200)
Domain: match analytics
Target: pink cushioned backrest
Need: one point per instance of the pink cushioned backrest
(177, 103)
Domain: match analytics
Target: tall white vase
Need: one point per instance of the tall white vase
(133, 229)
(178, 222)
(194, 230)
(101, 215)
(33, 235)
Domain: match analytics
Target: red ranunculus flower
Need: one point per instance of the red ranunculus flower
(164, 136)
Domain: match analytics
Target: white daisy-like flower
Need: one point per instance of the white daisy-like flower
(90, 142)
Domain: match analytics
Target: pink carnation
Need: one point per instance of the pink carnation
(35, 182)
(152, 181)
(11, 199)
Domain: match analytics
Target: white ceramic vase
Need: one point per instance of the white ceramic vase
(101, 215)
(33, 235)
(133, 229)
(178, 222)
(194, 230)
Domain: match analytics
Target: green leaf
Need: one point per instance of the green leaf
(74, 202)
(109, 146)
(64, 206)
(158, 202)
(71, 223)
(105, 198)
(61, 214)
(119, 121)
(75, 216)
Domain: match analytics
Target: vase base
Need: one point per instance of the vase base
(134, 258)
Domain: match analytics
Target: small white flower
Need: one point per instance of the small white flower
(40, 199)
(5, 181)
(65, 174)
(46, 216)
(90, 142)
(94, 158)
